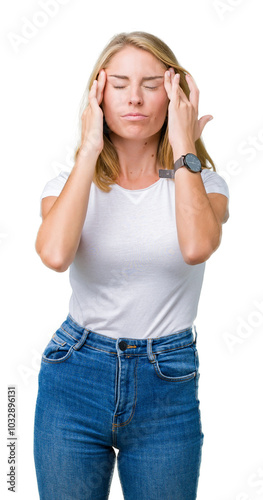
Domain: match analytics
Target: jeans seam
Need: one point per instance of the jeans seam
(114, 426)
(186, 378)
(60, 360)
(61, 343)
(69, 334)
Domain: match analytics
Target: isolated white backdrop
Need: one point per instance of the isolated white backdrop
(43, 79)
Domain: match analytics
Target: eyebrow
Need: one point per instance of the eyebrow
(144, 79)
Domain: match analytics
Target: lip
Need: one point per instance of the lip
(134, 116)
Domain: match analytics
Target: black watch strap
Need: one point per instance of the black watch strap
(179, 163)
(169, 173)
(183, 161)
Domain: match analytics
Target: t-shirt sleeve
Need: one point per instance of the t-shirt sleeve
(54, 186)
(214, 183)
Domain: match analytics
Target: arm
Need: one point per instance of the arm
(63, 216)
(199, 216)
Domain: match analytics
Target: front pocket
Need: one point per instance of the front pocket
(56, 353)
(178, 365)
(59, 348)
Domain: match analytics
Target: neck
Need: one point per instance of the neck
(137, 158)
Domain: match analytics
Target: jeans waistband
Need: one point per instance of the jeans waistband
(124, 345)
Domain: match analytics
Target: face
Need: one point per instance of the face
(135, 101)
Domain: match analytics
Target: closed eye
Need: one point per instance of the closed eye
(151, 88)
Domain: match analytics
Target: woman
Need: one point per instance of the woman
(136, 219)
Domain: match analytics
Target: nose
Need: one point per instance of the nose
(136, 96)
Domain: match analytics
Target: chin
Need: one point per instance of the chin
(135, 133)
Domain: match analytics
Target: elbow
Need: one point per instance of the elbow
(55, 263)
(199, 254)
(192, 259)
(52, 260)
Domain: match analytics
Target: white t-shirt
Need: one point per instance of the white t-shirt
(128, 277)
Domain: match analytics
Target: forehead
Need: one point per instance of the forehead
(133, 59)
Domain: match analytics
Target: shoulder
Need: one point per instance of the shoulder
(214, 183)
(52, 189)
(55, 185)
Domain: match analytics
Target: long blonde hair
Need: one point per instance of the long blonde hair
(107, 167)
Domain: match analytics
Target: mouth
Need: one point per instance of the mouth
(134, 116)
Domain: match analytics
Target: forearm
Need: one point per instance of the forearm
(199, 232)
(59, 234)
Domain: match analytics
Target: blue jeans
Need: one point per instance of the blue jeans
(139, 396)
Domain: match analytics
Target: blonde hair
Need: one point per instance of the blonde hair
(107, 166)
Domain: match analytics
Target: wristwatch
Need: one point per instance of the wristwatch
(189, 161)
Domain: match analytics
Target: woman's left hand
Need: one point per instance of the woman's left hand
(183, 124)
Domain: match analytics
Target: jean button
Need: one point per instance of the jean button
(123, 345)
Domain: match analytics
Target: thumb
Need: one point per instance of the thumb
(203, 121)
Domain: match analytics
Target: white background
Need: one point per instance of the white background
(43, 79)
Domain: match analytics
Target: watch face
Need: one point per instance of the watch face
(193, 162)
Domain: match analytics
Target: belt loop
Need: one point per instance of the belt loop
(80, 343)
(150, 354)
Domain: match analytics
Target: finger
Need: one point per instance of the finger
(168, 83)
(101, 85)
(203, 121)
(93, 92)
(194, 91)
(91, 96)
(93, 89)
(176, 88)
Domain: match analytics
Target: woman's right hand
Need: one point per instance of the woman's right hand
(92, 118)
